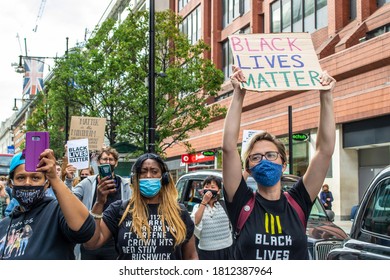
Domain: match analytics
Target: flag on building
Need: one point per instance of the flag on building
(33, 77)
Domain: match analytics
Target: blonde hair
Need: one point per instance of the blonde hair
(168, 209)
(267, 137)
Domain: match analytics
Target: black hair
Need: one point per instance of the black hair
(211, 178)
(136, 168)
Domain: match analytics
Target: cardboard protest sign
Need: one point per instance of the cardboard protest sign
(78, 153)
(277, 61)
(246, 138)
(90, 128)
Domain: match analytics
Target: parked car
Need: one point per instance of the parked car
(323, 234)
(370, 232)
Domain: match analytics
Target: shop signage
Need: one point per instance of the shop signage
(194, 158)
(300, 137)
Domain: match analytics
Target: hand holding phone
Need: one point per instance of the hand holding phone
(36, 143)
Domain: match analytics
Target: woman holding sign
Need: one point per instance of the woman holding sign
(276, 226)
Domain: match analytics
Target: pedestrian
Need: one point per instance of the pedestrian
(41, 227)
(212, 225)
(326, 197)
(151, 225)
(86, 192)
(273, 229)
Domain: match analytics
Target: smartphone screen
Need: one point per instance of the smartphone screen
(105, 170)
(36, 143)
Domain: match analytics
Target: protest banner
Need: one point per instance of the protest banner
(246, 138)
(78, 153)
(90, 128)
(277, 61)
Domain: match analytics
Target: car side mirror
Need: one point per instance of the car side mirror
(330, 215)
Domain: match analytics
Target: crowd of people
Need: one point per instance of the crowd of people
(65, 213)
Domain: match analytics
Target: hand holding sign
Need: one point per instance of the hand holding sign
(78, 153)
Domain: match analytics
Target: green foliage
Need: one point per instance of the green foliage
(108, 78)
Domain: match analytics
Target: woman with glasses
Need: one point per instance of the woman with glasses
(42, 227)
(151, 225)
(273, 230)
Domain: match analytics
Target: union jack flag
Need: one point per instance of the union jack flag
(33, 77)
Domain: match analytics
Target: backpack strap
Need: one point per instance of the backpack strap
(297, 208)
(246, 210)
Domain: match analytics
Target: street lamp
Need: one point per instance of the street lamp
(15, 108)
(152, 117)
(20, 69)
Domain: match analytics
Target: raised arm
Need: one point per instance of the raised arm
(74, 211)
(319, 164)
(232, 167)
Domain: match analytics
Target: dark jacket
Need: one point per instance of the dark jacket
(41, 233)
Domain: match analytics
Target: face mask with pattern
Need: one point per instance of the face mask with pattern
(266, 173)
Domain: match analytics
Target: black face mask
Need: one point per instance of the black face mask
(28, 196)
(82, 178)
(214, 192)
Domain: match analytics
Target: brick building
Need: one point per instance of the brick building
(352, 40)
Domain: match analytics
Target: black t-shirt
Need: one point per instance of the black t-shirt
(161, 244)
(273, 230)
(41, 233)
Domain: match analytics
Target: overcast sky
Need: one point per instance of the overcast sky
(59, 19)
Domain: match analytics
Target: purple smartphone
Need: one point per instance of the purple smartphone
(36, 143)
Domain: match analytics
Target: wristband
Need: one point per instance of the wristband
(204, 204)
(96, 216)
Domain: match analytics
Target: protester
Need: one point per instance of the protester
(212, 225)
(4, 179)
(326, 197)
(151, 225)
(42, 227)
(86, 192)
(83, 174)
(274, 229)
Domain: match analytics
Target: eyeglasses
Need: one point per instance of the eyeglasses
(271, 156)
(107, 159)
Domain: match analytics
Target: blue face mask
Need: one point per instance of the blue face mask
(150, 187)
(266, 173)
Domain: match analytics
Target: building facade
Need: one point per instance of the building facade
(352, 41)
